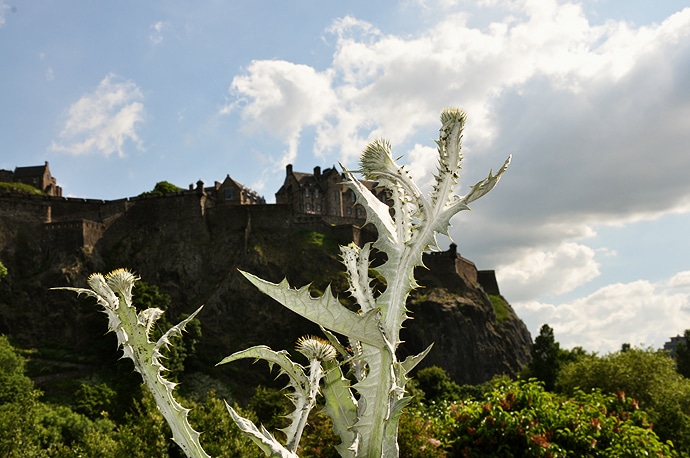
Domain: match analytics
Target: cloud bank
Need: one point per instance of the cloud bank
(641, 310)
(597, 118)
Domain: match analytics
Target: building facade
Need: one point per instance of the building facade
(323, 194)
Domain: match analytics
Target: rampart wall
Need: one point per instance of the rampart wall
(80, 223)
(74, 234)
(450, 261)
(34, 209)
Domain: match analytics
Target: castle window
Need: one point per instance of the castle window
(306, 192)
(318, 208)
(228, 193)
(316, 193)
(308, 206)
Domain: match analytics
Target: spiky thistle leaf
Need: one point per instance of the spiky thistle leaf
(114, 293)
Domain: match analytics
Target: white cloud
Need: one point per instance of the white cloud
(391, 86)
(597, 118)
(282, 98)
(639, 313)
(102, 122)
(680, 280)
(539, 272)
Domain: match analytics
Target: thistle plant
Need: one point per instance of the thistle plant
(365, 414)
(133, 330)
(362, 381)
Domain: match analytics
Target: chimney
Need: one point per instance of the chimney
(288, 169)
(317, 172)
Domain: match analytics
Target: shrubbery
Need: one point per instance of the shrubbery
(501, 418)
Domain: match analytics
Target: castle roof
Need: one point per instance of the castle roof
(32, 171)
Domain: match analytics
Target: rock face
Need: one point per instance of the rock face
(193, 254)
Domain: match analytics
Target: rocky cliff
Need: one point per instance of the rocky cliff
(193, 254)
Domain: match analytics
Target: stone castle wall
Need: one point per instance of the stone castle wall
(451, 262)
(74, 223)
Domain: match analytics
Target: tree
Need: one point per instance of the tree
(436, 385)
(682, 355)
(161, 188)
(545, 357)
(648, 376)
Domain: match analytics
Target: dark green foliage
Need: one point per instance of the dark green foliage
(161, 188)
(522, 419)
(501, 418)
(220, 436)
(649, 377)
(435, 385)
(94, 400)
(147, 295)
(682, 355)
(548, 357)
(318, 440)
(3, 270)
(270, 407)
(14, 385)
(545, 357)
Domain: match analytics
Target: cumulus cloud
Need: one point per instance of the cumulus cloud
(641, 313)
(578, 104)
(282, 98)
(680, 280)
(539, 272)
(597, 117)
(103, 121)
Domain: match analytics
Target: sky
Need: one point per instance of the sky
(587, 230)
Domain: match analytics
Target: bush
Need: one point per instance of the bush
(523, 419)
(649, 376)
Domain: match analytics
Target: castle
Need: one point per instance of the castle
(37, 176)
(324, 195)
(317, 201)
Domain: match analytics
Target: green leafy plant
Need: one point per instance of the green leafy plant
(521, 418)
(365, 401)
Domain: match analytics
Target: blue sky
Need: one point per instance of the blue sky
(588, 229)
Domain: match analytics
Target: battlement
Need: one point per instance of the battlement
(318, 201)
(451, 262)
